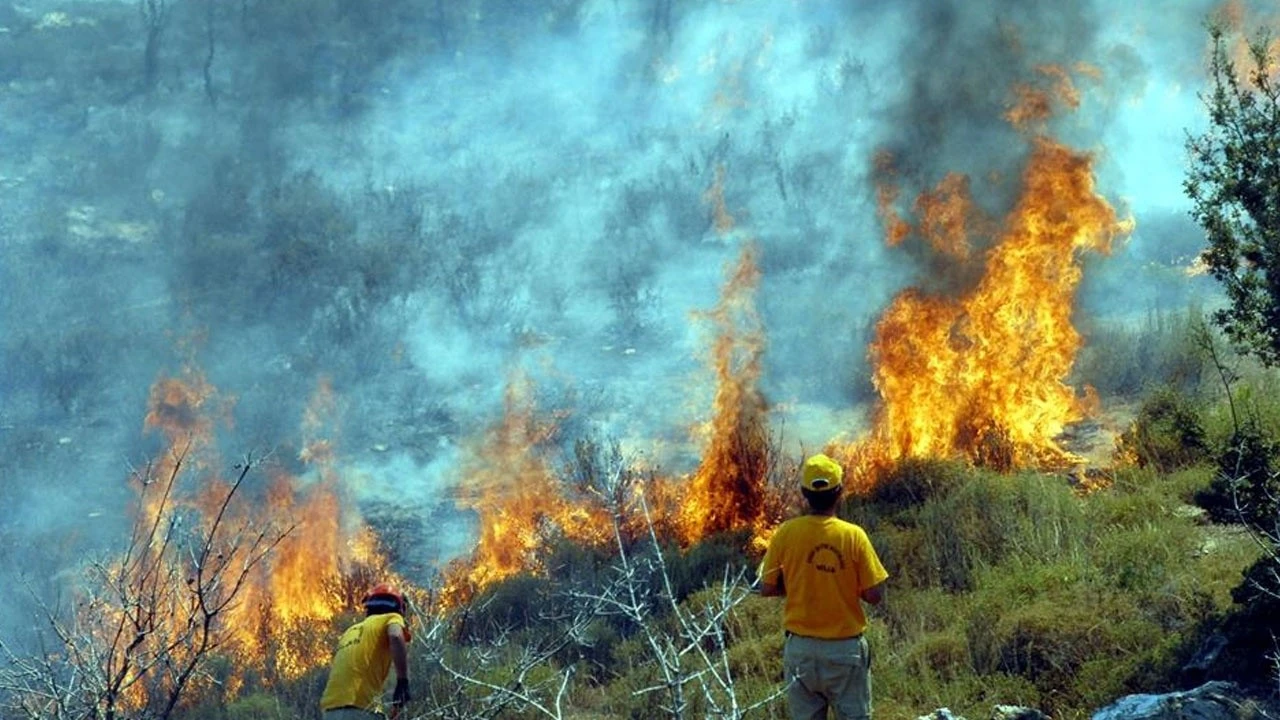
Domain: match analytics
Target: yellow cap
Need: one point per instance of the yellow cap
(821, 473)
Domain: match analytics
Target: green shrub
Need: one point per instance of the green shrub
(513, 604)
(995, 516)
(1138, 558)
(258, 706)
(1246, 488)
(1123, 360)
(705, 563)
(913, 482)
(1168, 434)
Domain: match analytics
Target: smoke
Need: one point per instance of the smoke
(479, 195)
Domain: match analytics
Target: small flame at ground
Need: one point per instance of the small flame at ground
(521, 505)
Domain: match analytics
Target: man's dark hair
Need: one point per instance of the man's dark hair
(821, 501)
(381, 605)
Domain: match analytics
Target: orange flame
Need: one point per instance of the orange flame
(727, 490)
(520, 504)
(884, 174)
(982, 376)
(1034, 104)
(279, 625)
(721, 219)
(947, 213)
(1235, 19)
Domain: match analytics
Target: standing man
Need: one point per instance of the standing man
(825, 568)
(365, 654)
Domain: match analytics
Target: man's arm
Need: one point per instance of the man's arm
(769, 574)
(769, 588)
(874, 594)
(399, 650)
(399, 659)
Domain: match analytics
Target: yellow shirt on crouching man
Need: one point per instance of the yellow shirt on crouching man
(361, 664)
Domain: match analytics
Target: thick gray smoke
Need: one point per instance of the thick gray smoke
(416, 202)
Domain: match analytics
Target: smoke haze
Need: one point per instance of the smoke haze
(485, 192)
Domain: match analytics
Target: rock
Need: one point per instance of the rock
(999, 712)
(1206, 656)
(1212, 701)
(1016, 712)
(940, 714)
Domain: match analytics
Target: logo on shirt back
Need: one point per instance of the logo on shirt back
(350, 637)
(825, 558)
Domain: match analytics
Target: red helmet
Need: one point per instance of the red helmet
(384, 597)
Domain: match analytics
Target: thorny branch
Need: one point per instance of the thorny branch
(147, 621)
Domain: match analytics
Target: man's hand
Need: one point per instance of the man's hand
(401, 694)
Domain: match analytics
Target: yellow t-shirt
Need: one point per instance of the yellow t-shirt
(824, 564)
(361, 664)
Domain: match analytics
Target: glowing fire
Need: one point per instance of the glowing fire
(727, 490)
(518, 499)
(979, 375)
(1034, 104)
(982, 376)
(521, 503)
(946, 217)
(278, 626)
(887, 193)
(1239, 23)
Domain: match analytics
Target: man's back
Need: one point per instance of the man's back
(826, 568)
(824, 563)
(360, 664)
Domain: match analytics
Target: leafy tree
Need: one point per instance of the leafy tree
(1234, 185)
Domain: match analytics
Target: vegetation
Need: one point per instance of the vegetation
(146, 627)
(1006, 588)
(1234, 184)
(1014, 588)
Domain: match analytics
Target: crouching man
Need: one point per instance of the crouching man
(363, 659)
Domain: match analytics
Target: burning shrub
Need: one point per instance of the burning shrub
(150, 623)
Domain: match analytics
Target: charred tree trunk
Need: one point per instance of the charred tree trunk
(209, 90)
(155, 17)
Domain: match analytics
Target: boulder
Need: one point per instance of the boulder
(999, 712)
(941, 714)
(1016, 712)
(1212, 701)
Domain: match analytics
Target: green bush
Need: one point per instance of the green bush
(1125, 359)
(1246, 488)
(913, 482)
(514, 604)
(1168, 434)
(258, 706)
(996, 516)
(705, 563)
